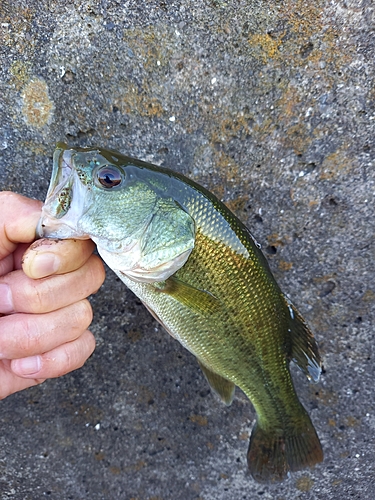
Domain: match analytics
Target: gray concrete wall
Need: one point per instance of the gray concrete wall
(269, 104)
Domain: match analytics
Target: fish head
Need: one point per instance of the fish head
(91, 196)
(100, 194)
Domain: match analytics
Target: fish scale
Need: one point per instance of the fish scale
(199, 271)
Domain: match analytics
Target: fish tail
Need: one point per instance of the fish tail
(272, 454)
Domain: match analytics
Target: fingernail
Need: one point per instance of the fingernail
(27, 366)
(6, 300)
(44, 264)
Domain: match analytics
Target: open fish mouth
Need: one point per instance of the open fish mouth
(61, 171)
(65, 198)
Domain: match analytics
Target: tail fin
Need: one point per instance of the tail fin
(272, 455)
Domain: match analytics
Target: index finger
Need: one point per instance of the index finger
(19, 217)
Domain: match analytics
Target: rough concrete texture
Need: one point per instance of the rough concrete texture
(271, 106)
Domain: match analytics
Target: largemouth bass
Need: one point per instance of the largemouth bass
(201, 274)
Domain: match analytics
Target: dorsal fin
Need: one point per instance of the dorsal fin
(305, 352)
(223, 387)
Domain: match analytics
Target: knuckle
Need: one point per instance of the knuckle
(88, 311)
(83, 313)
(102, 273)
(68, 363)
(91, 342)
(84, 348)
(27, 338)
(35, 296)
(71, 358)
(97, 272)
(79, 361)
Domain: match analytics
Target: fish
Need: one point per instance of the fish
(200, 272)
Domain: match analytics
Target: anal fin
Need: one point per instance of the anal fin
(305, 352)
(223, 387)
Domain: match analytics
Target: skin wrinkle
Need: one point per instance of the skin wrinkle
(6, 265)
(68, 359)
(38, 293)
(79, 318)
(88, 276)
(22, 333)
(38, 381)
(18, 255)
(94, 271)
(35, 294)
(30, 336)
(90, 345)
(6, 246)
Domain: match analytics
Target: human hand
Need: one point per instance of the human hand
(43, 312)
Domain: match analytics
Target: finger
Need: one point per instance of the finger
(11, 383)
(46, 257)
(18, 220)
(13, 260)
(21, 294)
(61, 360)
(6, 265)
(23, 335)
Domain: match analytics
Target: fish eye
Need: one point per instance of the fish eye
(109, 176)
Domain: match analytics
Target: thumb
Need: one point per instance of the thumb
(19, 217)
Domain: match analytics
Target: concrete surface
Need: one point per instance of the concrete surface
(270, 104)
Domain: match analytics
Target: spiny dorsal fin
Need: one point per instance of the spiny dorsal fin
(221, 386)
(305, 352)
(195, 299)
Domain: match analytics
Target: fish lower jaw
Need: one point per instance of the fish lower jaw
(48, 227)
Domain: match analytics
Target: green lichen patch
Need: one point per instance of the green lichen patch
(37, 107)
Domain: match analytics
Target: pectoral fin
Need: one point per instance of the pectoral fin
(221, 386)
(197, 300)
(305, 352)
